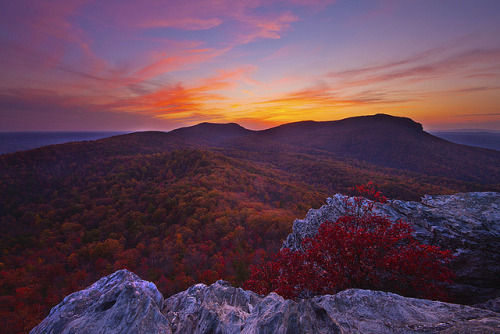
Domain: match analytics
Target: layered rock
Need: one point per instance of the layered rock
(123, 303)
(468, 224)
(365, 311)
(218, 308)
(221, 308)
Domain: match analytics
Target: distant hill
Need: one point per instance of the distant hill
(20, 141)
(484, 139)
(382, 140)
(211, 133)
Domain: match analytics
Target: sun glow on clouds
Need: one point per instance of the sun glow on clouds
(128, 65)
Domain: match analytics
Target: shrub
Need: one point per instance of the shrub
(359, 250)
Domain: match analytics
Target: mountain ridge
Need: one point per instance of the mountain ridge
(382, 140)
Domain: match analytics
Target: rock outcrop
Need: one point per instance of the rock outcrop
(118, 303)
(218, 308)
(221, 308)
(365, 311)
(123, 303)
(468, 224)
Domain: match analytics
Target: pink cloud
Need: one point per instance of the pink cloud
(52, 48)
(240, 19)
(257, 27)
(46, 25)
(424, 66)
(184, 15)
(163, 63)
(317, 3)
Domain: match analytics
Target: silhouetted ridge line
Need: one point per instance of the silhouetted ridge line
(212, 132)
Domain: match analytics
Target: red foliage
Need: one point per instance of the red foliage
(360, 250)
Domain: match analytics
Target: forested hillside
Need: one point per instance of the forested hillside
(176, 208)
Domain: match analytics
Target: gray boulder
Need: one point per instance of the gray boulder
(277, 315)
(218, 308)
(467, 223)
(492, 304)
(118, 303)
(365, 311)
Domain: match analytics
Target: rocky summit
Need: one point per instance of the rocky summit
(123, 303)
(468, 224)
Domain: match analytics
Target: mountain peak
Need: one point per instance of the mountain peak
(212, 132)
(230, 125)
(377, 119)
(219, 126)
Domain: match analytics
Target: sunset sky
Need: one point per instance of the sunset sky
(118, 65)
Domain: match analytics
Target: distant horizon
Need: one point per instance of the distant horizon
(248, 128)
(132, 131)
(15, 141)
(464, 130)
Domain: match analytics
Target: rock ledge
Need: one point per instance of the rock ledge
(123, 303)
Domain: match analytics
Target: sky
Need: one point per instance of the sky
(121, 65)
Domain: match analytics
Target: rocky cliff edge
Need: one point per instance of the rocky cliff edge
(124, 303)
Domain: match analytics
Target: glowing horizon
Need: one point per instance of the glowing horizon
(84, 65)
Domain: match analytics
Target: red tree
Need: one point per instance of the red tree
(359, 250)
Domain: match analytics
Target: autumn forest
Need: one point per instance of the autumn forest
(198, 204)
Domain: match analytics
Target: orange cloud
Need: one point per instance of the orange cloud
(183, 101)
(386, 87)
(324, 97)
(174, 62)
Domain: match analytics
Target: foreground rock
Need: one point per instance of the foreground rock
(468, 224)
(118, 303)
(365, 311)
(123, 303)
(220, 308)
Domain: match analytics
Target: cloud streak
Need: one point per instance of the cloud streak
(430, 64)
